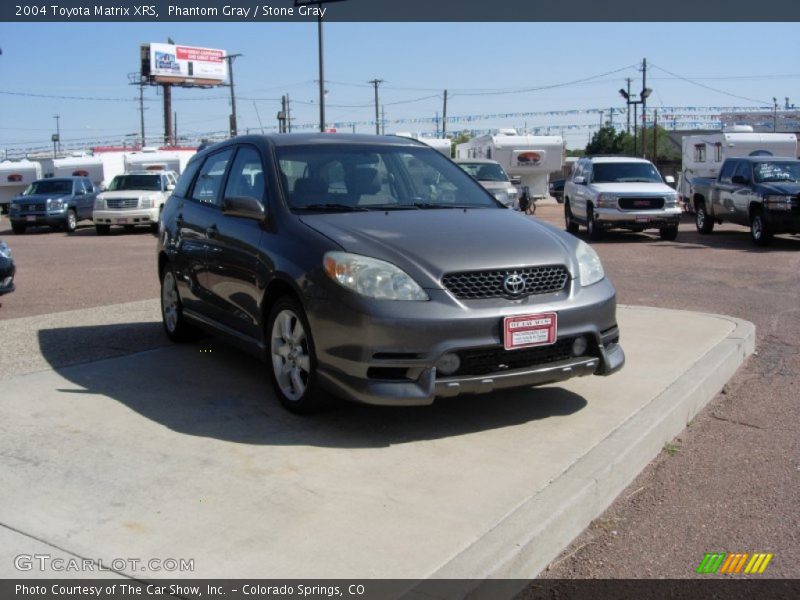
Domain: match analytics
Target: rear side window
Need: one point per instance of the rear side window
(87, 183)
(208, 185)
(185, 180)
(743, 170)
(79, 189)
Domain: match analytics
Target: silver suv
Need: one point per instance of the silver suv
(619, 192)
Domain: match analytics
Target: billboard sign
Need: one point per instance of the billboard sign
(170, 63)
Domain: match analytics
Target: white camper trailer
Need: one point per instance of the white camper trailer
(443, 145)
(703, 154)
(15, 177)
(79, 166)
(152, 160)
(530, 157)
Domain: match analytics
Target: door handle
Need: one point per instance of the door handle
(212, 231)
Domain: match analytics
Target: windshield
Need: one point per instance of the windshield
(49, 186)
(358, 177)
(135, 182)
(623, 172)
(775, 172)
(485, 171)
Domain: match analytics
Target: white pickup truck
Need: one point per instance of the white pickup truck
(619, 192)
(133, 199)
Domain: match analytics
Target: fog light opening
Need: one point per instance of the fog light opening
(579, 346)
(448, 364)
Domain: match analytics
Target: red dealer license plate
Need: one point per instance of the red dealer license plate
(523, 331)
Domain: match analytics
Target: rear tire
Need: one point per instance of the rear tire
(669, 233)
(759, 230)
(702, 221)
(570, 225)
(595, 232)
(102, 229)
(175, 325)
(291, 354)
(18, 228)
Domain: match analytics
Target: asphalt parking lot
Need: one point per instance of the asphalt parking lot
(729, 482)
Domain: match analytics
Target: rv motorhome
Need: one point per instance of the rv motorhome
(530, 157)
(15, 177)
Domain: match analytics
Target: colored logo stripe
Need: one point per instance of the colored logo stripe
(758, 563)
(733, 563)
(711, 562)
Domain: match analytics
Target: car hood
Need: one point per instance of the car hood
(128, 194)
(633, 188)
(429, 243)
(39, 198)
(784, 189)
(496, 185)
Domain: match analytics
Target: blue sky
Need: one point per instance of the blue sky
(745, 64)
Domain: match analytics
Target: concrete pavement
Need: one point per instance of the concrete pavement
(182, 452)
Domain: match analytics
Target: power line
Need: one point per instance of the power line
(708, 87)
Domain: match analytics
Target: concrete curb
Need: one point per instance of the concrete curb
(527, 540)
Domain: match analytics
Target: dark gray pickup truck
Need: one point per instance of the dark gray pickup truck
(58, 202)
(761, 192)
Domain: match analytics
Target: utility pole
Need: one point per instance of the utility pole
(655, 136)
(175, 129)
(383, 120)
(601, 117)
(282, 116)
(58, 133)
(141, 109)
(167, 87)
(288, 114)
(644, 105)
(376, 83)
(611, 117)
(628, 112)
(230, 58)
(444, 116)
(774, 114)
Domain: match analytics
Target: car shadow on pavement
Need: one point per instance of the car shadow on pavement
(212, 390)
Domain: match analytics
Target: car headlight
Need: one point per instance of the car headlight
(589, 265)
(55, 203)
(5, 251)
(671, 200)
(99, 204)
(146, 202)
(14, 207)
(606, 201)
(371, 277)
(778, 202)
(500, 195)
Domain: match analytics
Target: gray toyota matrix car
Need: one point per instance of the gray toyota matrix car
(374, 269)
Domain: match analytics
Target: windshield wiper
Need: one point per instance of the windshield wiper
(332, 207)
(430, 205)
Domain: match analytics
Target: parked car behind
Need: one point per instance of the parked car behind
(58, 202)
(352, 274)
(619, 192)
(493, 178)
(7, 269)
(135, 198)
(556, 187)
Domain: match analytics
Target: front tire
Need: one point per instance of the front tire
(595, 232)
(71, 222)
(759, 230)
(175, 325)
(702, 221)
(293, 358)
(570, 225)
(669, 233)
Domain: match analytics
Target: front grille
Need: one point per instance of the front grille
(38, 207)
(633, 203)
(481, 361)
(122, 203)
(471, 285)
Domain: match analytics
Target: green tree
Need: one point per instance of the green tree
(607, 140)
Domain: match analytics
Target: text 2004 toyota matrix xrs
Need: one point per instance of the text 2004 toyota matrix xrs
(375, 269)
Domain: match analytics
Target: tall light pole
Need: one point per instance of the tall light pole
(376, 83)
(229, 58)
(319, 4)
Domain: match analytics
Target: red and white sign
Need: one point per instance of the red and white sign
(168, 62)
(524, 331)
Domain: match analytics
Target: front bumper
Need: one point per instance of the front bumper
(611, 218)
(53, 218)
(782, 221)
(134, 216)
(7, 270)
(386, 352)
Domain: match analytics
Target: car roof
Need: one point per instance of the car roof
(616, 159)
(766, 157)
(146, 172)
(486, 161)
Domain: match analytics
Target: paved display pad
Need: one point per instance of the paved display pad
(183, 452)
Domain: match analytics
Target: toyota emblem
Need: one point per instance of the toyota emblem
(514, 284)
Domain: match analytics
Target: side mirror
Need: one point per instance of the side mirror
(739, 180)
(80, 193)
(243, 206)
(580, 180)
(516, 180)
(669, 179)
